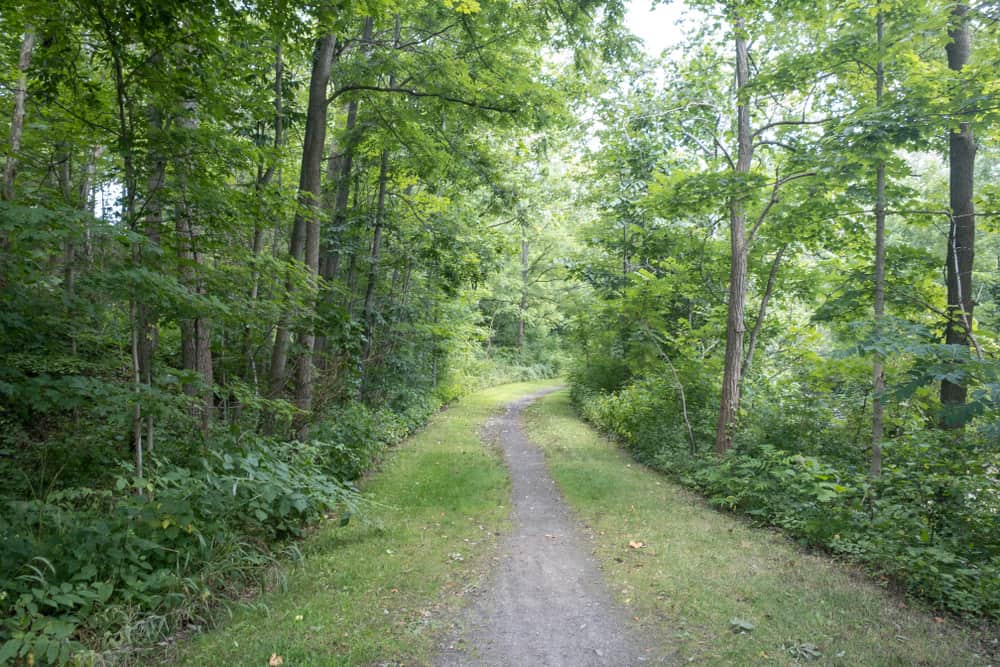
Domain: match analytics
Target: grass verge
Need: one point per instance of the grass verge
(378, 592)
(699, 570)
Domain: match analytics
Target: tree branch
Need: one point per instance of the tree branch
(780, 144)
(778, 123)
(778, 182)
(418, 93)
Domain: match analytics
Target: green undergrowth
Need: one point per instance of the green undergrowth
(378, 591)
(928, 522)
(718, 591)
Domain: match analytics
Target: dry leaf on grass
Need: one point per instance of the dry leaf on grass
(634, 544)
(275, 660)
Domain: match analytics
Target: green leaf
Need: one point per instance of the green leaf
(9, 650)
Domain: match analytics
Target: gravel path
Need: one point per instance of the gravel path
(546, 603)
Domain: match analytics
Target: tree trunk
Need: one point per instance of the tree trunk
(123, 109)
(87, 200)
(196, 332)
(762, 313)
(369, 306)
(152, 230)
(523, 305)
(17, 118)
(307, 220)
(732, 373)
(878, 371)
(339, 171)
(962, 230)
(383, 178)
(303, 230)
(65, 177)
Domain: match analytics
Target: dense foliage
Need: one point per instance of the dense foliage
(246, 247)
(831, 161)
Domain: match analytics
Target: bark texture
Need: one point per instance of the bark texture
(305, 228)
(729, 406)
(772, 279)
(960, 253)
(196, 331)
(376, 250)
(308, 218)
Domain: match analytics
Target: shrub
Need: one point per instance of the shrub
(70, 560)
(930, 520)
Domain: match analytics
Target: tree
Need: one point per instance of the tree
(732, 373)
(960, 253)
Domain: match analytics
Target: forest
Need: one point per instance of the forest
(248, 247)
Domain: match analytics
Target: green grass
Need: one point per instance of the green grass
(380, 592)
(701, 568)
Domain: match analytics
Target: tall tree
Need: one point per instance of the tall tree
(960, 254)
(311, 193)
(878, 370)
(733, 370)
(304, 242)
(196, 330)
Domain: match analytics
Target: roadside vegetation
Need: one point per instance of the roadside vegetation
(379, 591)
(717, 590)
(792, 294)
(239, 259)
(247, 246)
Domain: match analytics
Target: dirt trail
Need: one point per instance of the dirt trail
(546, 603)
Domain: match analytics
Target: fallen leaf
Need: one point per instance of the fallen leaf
(805, 652)
(275, 661)
(634, 544)
(938, 619)
(740, 625)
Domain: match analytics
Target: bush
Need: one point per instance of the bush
(351, 438)
(82, 561)
(930, 520)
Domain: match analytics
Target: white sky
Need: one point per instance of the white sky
(660, 27)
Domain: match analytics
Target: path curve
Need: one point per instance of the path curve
(546, 602)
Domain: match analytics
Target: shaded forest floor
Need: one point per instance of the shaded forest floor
(703, 587)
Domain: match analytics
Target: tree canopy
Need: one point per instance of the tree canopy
(262, 241)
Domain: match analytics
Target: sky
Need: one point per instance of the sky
(658, 28)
